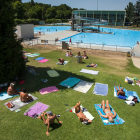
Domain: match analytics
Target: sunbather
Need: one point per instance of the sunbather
(50, 119)
(85, 55)
(61, 61)
(93, 65)
(120, 90)
(24, 97)
(107, 111)
(67, 53)
(70, 54)
(80, 114)
(11, 90)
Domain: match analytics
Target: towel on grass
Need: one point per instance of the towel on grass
(39, 58)
(85, 112)
(36, 109)
(53, 73)
(43, 60)
(32, 71)
(115, 92)
(100, 89)
(69, 82)
(133, 93)
(18, 103)
(89, 71)
(4, 96)
(83, 86)
(65, 62)
(48, 90)
(117, 119)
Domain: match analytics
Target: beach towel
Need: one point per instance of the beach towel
(18, 103)
(89, 71)
(36, 109)
(39, 58)
(43, 60)
(69, 82)
(115, 92)
(100, 89)
(85, 112)
(4, 96)
(83, 86)
(92, 66)
(117, 119)
(32, 54)
(53, 73)
(32, 71)
(48, 90)
(133, 93)
(65, 62)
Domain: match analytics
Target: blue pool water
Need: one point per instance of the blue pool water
(50, 29)
(121, 37)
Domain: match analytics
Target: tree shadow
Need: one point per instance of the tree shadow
(33, 83)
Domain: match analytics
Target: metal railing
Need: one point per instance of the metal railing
(35, 42)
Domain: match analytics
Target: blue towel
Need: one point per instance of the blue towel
(39, 58)
(126, 95)
(133, 93)
(122, 97)
(117, 119)
(69, 82)
(4, 95)
(100, 89)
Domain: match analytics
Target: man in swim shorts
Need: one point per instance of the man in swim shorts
(50, 120)
(80, 114)
(61, 61)
(109, 115)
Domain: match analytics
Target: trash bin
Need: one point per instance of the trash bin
(128, 54)
(79, 59)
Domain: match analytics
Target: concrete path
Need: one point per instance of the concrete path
(136, 61)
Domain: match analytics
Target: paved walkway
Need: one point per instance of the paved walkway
(136, 61)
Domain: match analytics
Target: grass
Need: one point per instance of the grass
(16, 126)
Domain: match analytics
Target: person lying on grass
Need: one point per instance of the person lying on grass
(11, 90)
(107, 111)
(50, 119)
(61, 61)
(24, 97)
(93, 65)
(120, 90)
(80, 114)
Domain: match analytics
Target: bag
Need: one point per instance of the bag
(130, 81)
(10, 105)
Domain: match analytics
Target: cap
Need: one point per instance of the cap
(49, 113)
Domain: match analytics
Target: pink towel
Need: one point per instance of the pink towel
(48, 90)
(43, 60)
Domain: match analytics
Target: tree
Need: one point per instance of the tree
(32, 2)
(130, 12)
(137, 12)
(19, 9)
(67, 14)
(50, 13)
(60, 14)
(11, 55)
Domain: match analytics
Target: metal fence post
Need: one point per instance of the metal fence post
(90, 45)
(116, 48)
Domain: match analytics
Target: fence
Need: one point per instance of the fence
(35, 42)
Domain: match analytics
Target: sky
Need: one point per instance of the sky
(89, 4)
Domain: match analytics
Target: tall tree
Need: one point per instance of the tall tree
(130, 12)
(12, 62)
(32, 2)
(50, 13)
(137, 12)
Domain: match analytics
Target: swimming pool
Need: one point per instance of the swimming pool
(121, 37)
(50, 29)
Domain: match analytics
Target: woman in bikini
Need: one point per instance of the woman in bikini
(109, 115)
(80, 114)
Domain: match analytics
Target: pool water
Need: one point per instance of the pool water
(50, 29)
(121, 37)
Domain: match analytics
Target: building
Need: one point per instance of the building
(25, 31)
(114, 17)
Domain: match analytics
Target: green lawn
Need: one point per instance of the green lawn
(16, 126)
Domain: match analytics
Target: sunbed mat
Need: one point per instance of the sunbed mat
(39, 58)
(89, 71)
(100, 89)
(69, 82)
(83, 86)
(36, 109)
(117, 119)
(65, 62)
(53, 73)
(18, 103)
(4, 96)
(43, 60)
(48, 90)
